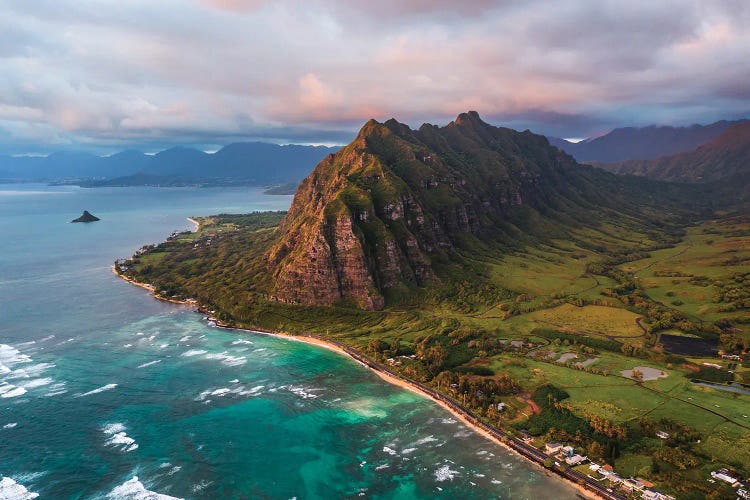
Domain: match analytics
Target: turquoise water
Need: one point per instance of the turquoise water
(101, 384)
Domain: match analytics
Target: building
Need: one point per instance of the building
(726, 476)
(575, 460)
(743, 493)
(631, 484)
(615, 478)
(568, 451)
(655, 495)
(733, 357)
(662, 434)
(594, 467)
(551, 448)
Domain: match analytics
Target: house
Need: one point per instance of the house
(525, 436)
(594, 467)
(655, 495)
(567, 451)
(662, 434)
(631, 484)
(607, 469)
(575, 460)
(551, 448)
(743, 493)
(733, 357)
(500, 406)
(646, 482)
(726, 476)
(615, 478)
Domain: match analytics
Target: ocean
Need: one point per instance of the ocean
(106, 392)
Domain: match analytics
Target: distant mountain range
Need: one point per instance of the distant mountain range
(725, 160)
(632, 143)
(247, 162)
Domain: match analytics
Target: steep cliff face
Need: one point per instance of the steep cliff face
(368, 221)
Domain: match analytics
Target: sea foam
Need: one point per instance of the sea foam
(11, 490)
(193, 352)
(133, 489)
(118, 438)
(227, 359)
(445, 473)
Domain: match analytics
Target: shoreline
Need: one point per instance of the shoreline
(403, 384)
(197, 224)
(152, 290)
(383, 375)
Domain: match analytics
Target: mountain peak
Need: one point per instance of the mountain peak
(368, 224)
(470, 118)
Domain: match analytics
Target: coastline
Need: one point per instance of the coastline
(152, 290)
(403, 384)
(197, 224)
(392, 379)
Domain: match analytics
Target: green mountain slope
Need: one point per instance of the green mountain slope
(395, 209)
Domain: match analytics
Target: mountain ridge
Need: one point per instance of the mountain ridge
(725, 157)
(640, 143)
(251, 162)
(373, 220)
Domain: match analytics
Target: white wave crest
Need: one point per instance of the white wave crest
(11, 391)
(133, 489)
(193, 352)
(227, 359)
(118, 438)
(425, 440)
(97, 390)
(144, 365)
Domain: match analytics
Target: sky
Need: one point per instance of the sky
(108, 75)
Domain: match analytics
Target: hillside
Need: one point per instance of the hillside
(394, 209)
(726, 158)
(639, 143)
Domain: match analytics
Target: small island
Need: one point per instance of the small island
(86, 217)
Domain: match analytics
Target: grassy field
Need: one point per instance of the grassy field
(691, 276)
(590, 320)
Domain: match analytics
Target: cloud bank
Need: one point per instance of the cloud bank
(107, 75)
